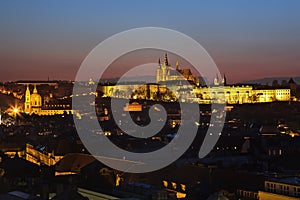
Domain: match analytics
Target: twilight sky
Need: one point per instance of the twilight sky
(247, 39)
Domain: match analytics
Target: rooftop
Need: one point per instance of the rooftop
(293, 180)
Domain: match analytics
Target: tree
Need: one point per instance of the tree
(275, 83)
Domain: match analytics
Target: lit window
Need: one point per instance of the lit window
(165, 183)
(174, 185)
(183, 187)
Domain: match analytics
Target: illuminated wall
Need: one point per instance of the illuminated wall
(271, 196)
(229, 94)
(204, 95)
(270, 95)
(35, 156)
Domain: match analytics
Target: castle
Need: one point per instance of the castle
(170, 79)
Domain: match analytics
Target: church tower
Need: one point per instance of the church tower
(36, 101)
(158, 72)
(27, 104)
(165, 69)
(224, 81)
(166, 62)
(216, 80)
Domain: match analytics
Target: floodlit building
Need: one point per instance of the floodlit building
(281, 188)
(180, 84)
(34, 105)
(165, 72)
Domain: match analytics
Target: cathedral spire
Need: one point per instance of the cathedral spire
(27, 89)
(27, 103)
(27, 94)
(216, 80)
(177, 65)
(34, 90)
(166, 62)
(224, 81)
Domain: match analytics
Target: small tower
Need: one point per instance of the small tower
(91, 81)
(34, 90)
(166, 62)
(177, 65)
(224, 81)
(216, 80)
(164, 68)
(27, 104)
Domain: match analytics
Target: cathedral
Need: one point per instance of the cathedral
(33, 102)
(33, 105)
(165, 73)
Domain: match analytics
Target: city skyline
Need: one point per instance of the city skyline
(147, 100)
(247, 40)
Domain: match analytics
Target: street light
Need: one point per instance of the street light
(16, 111)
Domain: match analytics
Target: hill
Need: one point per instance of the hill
(268, 81)
(7, 101)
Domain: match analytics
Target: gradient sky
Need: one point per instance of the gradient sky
(247, 39)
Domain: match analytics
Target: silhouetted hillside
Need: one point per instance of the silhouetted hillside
(269, 81)
(7, 100)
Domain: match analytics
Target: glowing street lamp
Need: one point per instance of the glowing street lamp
(16, 111)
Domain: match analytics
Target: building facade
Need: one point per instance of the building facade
(281, 188)
(240, 94)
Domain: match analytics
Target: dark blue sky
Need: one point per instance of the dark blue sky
(247, 39)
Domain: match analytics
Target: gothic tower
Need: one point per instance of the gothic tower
(27, 104)
(158, 72)
(165, 68)
(224, 80)
(216, 80)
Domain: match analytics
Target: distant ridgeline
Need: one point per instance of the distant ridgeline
(188, 88)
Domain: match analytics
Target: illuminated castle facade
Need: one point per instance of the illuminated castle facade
(33, 105)
(165, 72)
(169, 79)
(240, 94)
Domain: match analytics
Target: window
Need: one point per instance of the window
(297, 191)
(165, 183)
(280, 189)
(183, 187)
(174, 185)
